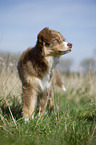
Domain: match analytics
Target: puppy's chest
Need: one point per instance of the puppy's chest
(45, 83)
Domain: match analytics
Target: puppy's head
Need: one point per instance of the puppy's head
(53, 43)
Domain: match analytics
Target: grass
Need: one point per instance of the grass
(72, 123)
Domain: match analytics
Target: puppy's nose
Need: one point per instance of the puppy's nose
(70, 45)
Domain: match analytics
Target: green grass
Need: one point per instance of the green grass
(72, 123)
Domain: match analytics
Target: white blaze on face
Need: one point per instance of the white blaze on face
(66, 45)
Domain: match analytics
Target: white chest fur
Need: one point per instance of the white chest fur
(45, 82)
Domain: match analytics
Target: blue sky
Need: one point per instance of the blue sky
(21, 21)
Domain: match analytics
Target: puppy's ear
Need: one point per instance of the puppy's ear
(41, 41)
(44, 37)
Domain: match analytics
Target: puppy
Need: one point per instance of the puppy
(36, 71)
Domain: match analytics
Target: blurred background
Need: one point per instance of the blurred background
(21, 21)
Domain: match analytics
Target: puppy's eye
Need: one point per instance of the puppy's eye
(55, 41)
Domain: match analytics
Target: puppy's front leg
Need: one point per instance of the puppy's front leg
(42, 102)
(29, 102)
(58, 80)
(50, 105)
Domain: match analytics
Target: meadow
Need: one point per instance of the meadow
(72, 123)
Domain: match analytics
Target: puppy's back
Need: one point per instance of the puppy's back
(24, 63)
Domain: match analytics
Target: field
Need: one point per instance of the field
(72, 123)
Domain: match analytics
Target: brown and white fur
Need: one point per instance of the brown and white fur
(36, 70)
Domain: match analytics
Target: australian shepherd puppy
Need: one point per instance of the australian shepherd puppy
(36, 70)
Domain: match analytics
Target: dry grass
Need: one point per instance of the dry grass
(81, 84)
(10, 84)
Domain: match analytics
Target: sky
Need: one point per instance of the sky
(22, 20)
